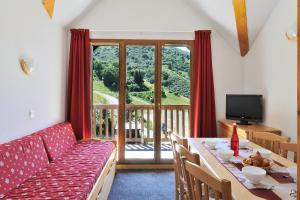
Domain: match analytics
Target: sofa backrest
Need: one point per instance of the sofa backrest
(58, 139)
(19, 160)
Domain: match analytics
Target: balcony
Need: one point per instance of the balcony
(139, 124)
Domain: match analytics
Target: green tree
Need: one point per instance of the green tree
(128, 99)
(111, 77)
(98, 68)
(163, 93)
(139, 78)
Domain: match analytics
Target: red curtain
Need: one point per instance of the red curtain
(79, 93)
(203, 100)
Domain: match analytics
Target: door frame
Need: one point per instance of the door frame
(122, 43)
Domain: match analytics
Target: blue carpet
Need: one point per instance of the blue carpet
(143, 185)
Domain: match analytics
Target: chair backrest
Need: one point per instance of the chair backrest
(200, 182)
(179, 140)
(176, 139)
(282, 148)
(267, 139)
(183, 153)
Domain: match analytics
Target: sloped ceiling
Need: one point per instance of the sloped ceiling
(258, 12)
(66, 11)
(220, 12)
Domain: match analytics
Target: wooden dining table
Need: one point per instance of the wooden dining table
(219, 170)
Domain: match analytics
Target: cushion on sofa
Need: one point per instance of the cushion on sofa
(58, 139)
(19, 160)
(71, 176)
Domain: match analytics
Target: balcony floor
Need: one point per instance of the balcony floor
(146, 151)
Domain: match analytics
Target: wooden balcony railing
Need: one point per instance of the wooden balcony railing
(140, 121)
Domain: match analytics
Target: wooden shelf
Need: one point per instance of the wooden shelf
(226, 128)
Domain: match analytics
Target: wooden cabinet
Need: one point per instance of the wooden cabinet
(226, 128)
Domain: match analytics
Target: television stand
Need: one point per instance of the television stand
(243, 122)
(226, 128)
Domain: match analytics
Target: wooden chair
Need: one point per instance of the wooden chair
(282, 148)
(200, 183)
(179, 140)
(267, 139)
(175, 139)
(182, 152)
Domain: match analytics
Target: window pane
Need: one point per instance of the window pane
(105, 91)
(175, 80)
(140, 78)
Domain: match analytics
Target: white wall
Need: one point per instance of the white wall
(158, 16)
(27, 29)
(270, 68)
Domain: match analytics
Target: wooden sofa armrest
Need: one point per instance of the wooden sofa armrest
(100, 181)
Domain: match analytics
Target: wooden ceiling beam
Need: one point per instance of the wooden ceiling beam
(49, 6)
(241, 25)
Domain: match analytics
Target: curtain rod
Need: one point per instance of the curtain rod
(119, 34)
(136, 31)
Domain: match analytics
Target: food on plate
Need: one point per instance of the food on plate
(258, 161)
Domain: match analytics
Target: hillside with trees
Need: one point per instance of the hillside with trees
(140, 62)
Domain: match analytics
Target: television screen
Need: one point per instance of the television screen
(244, 107)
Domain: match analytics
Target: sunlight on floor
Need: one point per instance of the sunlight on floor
(147, 155)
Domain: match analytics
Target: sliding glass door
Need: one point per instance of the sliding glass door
(140, 100)
(105, 94)
(175, 94)
(150, 98)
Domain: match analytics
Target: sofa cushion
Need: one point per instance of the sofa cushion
(19, 160)
(58, 139)
(71, 176)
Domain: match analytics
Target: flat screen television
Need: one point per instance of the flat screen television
(244, 108)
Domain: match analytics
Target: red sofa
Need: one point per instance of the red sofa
(51, 164)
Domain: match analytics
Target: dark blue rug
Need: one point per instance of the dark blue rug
(143, 185)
